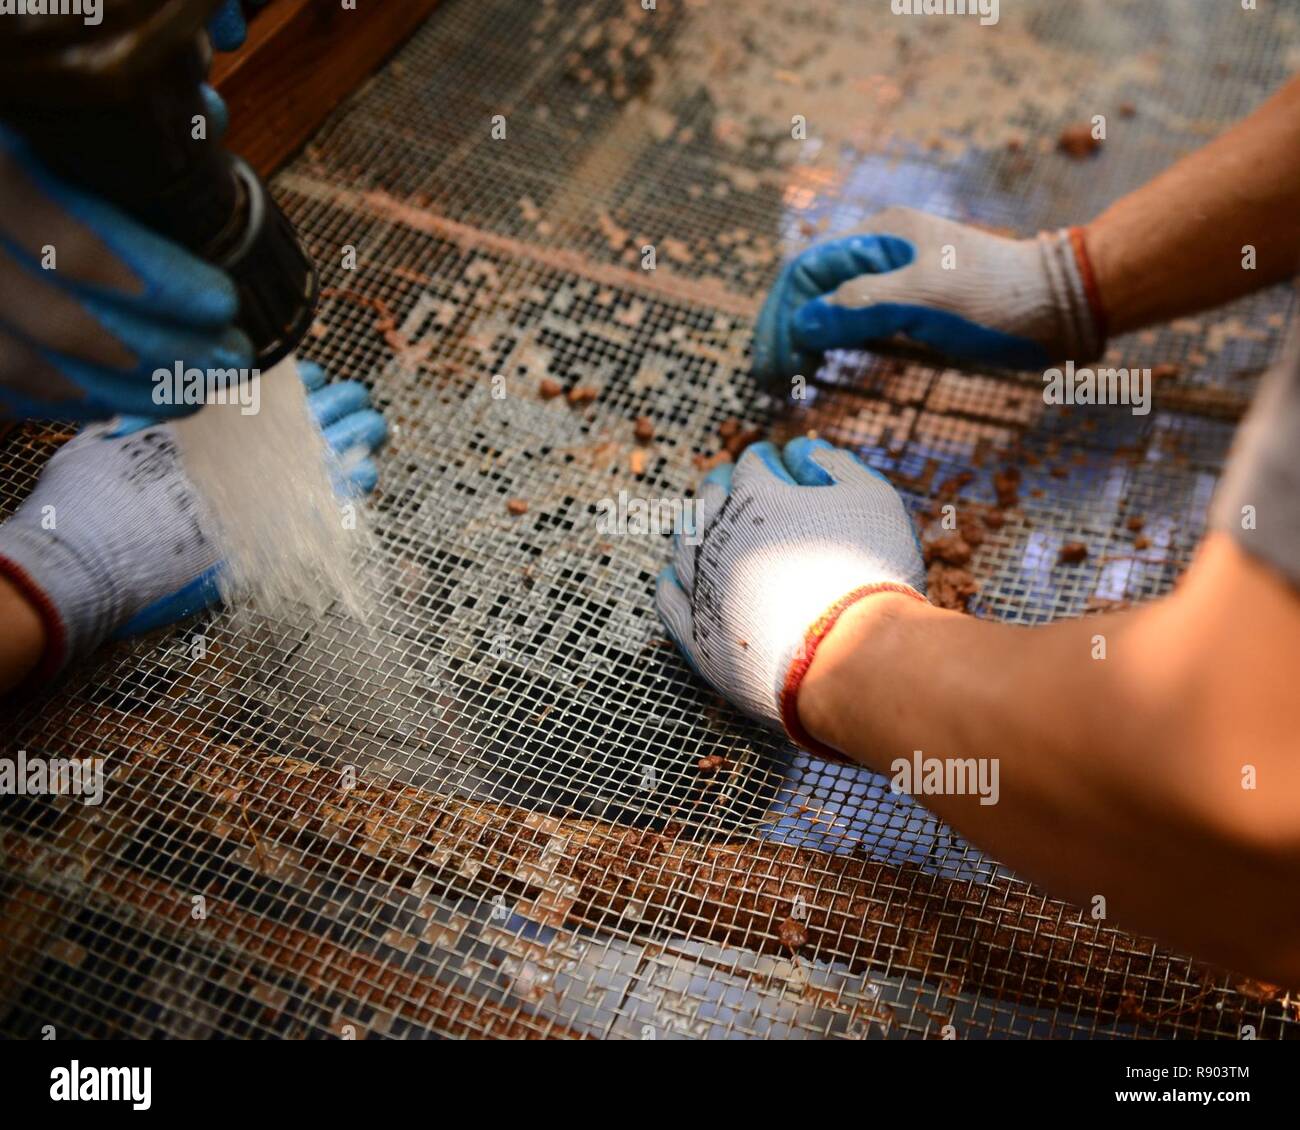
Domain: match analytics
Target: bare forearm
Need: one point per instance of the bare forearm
(1118, 776)
(1175, 245)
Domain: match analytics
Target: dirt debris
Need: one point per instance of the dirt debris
(1258, 990)
(974, 521)
(709, 462)
(529, 210)
(793, 934)
(950, 587)
(953, 485)
(1006, 485)
(951, 549)
(517, 506)
(385, 319)
(1106, 604)
(549, 388)
(1077, 141)
(582, 394)
(736, 437)
(741, 440)
(1072, 552)
(643, 429)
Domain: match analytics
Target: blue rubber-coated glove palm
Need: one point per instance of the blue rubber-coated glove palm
(947, 288)
(92, 303)
(787, 541)
(115, 540)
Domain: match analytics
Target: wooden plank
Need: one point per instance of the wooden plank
(301, 59)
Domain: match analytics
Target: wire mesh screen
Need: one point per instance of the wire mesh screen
(504, 806)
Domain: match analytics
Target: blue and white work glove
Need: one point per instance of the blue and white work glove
(92, 303)
(952, 290)
(787, 540)
(115, 540)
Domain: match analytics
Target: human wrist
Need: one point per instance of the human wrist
(1109, 269)
(59, 583)
(1131, 277)
(22, 641)
(1081, 323)
(838, 679)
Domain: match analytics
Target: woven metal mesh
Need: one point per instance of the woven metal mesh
(484, 813)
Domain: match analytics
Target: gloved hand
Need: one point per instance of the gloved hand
(1013, 303)
(788, 541)
(81, 341)
(115, 540)
(227, 28)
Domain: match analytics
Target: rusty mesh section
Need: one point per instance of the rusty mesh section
(485, 813)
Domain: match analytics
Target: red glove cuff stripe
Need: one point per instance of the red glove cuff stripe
(789, 702)
(56, 640)
(1090, 287)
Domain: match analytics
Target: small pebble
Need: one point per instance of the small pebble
(1077, 140)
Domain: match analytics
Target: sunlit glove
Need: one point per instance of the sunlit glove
(115, 540)
(82, 339)
(786, 542)
(959, 292)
